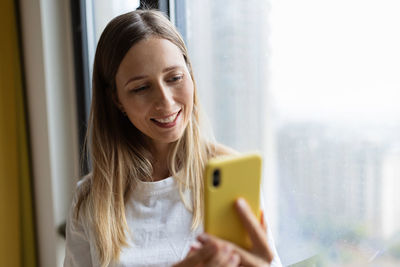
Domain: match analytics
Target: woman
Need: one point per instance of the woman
(142, 203)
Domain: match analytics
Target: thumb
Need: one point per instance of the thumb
(256, 232)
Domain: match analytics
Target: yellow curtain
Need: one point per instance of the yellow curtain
(17, 236)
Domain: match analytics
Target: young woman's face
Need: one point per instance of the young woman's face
(155, 89)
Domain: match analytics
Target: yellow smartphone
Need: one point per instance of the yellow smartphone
(226, 179)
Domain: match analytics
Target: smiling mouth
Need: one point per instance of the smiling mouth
(167, 120)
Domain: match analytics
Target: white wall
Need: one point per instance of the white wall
(48, 62)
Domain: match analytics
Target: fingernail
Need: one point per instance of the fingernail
(195, 247)
(203, 237)
(234, 258)
(225, 250)
(241, 203)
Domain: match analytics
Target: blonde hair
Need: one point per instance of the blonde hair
(118, 150)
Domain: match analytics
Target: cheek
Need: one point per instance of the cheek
(134, 104)
(136, 110)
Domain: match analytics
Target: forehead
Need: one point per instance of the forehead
(150, 55)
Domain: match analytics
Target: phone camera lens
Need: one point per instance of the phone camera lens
(216, 178)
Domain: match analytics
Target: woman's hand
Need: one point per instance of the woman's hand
(260, 253)
(217, 253)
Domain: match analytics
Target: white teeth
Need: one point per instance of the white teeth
(169, 119)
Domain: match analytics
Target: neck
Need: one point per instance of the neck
(160, 161)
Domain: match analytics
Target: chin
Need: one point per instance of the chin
(172, 138)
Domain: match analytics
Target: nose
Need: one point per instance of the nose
(164, 97)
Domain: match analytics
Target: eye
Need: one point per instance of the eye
(176, 78)
(139, 89)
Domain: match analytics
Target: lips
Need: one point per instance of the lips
(167, 121)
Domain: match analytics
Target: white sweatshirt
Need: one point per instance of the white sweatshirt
(160, 226)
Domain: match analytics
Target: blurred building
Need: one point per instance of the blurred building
(228, 46)
(338, 179)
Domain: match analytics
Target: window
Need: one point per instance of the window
(99, 13)
(315, 86)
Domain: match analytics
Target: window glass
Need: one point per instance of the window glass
(315, 86)
(98, 14)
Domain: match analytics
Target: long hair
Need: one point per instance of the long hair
(118, 150)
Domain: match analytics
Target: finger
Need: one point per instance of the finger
(224, 255)
(249, 259)
(221, 257)
(192, 250)
(246, 258)
(250, 222)
(262, 221)
(204, 238)
(195, 246)
(197, 256)
(234, 260)
(255, 230)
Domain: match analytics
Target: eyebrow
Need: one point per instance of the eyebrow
(144, 76)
